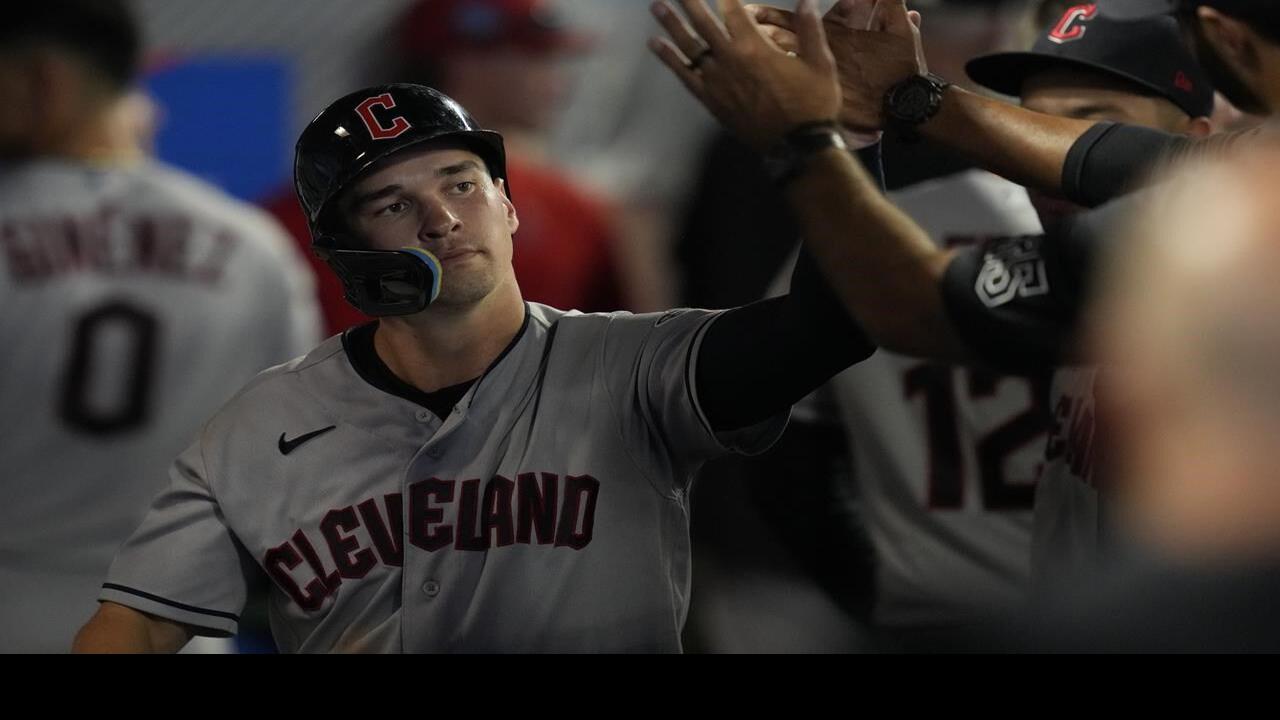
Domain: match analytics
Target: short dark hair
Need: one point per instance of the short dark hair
(102, 32)
(1261, 15)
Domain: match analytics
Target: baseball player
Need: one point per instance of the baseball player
(472, 472)
(1084, 66)
(134, 300)
(948, 476)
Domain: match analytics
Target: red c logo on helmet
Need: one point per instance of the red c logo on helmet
(375, 128)
(1071, 26)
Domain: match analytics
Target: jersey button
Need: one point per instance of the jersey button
(431, 588)
(434, 453)
(424, 416)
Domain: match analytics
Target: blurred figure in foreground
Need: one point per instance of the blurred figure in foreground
(1188, 316)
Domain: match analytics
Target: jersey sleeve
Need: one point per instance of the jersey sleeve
(1016, 302)
(183, 563)
(1012, 303)
(1110, 160)
(650, 362)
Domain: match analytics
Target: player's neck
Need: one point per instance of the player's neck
(100, 136)
(446, 346)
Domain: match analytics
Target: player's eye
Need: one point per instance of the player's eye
(464, 186)
(394, 208)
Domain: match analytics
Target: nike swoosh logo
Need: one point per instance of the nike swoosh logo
(288, 446)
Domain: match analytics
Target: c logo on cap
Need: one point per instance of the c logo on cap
(376, 130)
(1071, 27)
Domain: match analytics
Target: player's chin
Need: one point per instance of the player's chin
(465, 285)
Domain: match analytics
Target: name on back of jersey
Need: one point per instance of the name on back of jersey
(112, 242)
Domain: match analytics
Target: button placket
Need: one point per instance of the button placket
(431, 588)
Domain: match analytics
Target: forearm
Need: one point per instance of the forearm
(883, 268)
(759, 359)
(1026, 147)
(118, 629)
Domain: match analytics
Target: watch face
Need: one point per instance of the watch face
(912, 100)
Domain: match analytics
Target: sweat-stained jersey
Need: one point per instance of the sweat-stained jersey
(135, 300)
(547, 512)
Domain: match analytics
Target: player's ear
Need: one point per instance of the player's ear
(513, 222)
(1199, 127)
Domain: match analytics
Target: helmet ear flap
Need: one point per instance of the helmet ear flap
(381, 283)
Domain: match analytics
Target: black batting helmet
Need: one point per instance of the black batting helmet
(341, 143)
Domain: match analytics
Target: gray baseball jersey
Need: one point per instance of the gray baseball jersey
(548, 512)
(134, 301)
(1068, 524)
(946, 458)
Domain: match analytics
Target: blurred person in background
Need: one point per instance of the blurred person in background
(134, 300)
(505, 60)
(631, 132)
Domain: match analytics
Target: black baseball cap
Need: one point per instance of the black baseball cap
(1139, 9)
(1148, 52)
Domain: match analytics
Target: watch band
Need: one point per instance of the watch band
(786, 160)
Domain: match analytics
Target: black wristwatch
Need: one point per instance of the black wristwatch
(785, 160)
(911, 102)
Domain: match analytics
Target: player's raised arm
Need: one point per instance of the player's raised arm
(881, 265)
(119, 629)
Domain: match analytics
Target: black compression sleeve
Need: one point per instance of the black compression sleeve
(759, 359)
(1110, 160)
(1016, 302)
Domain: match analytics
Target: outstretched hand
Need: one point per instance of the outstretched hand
(757, 89)
(875, 43)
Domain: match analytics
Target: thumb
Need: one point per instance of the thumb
(894, 18)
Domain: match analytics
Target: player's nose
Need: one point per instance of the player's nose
(439, 221)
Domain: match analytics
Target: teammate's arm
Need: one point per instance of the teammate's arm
(119, 629)
(760, 359)
(882, 266)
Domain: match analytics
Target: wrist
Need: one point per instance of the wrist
(911, 103)
(786, 158)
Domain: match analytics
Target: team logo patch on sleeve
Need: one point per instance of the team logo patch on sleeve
(1012, 269)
